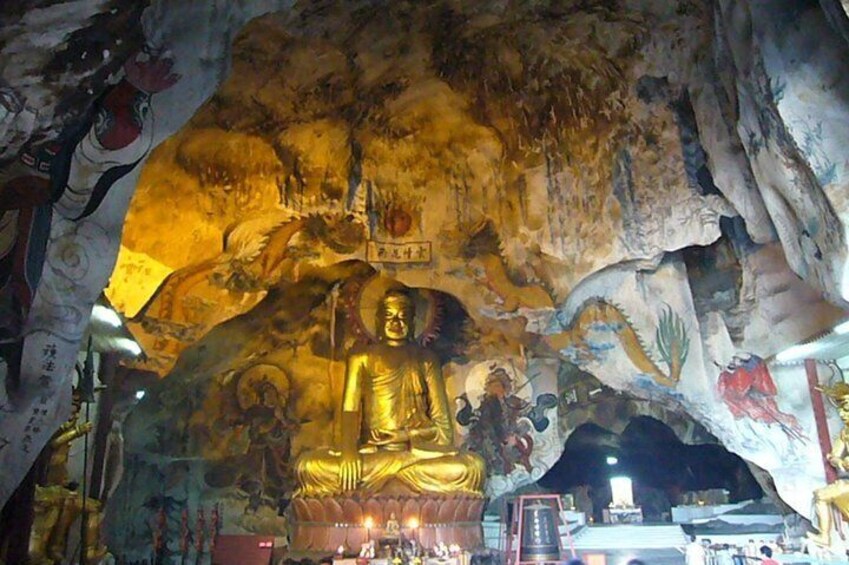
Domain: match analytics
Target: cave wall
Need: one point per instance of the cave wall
(58, 60)
(223, 429)
(788, 141)
(541, 163)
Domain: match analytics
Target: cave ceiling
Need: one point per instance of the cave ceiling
(527, 146)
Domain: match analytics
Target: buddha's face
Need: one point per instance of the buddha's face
(397, 318)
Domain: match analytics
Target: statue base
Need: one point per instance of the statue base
(323, 524)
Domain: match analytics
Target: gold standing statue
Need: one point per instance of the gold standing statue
(58, 504)
(395, 420)
(834, 497)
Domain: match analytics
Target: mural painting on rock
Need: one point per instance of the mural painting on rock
(80, 52)
(227, 424)
(749, 391)
(510, 419)
(600, 328)
(55, 249)
(767, 416)
(373, 153)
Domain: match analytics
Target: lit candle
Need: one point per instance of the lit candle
(413, 524)
(368, 523)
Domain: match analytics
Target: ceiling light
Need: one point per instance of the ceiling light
(611, 460)
(128, 345)
(139, 394)
(796, 352)
(106, 315)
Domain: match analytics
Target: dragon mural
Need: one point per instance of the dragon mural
(598, 315)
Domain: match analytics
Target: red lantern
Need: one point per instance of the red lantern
(397, 221)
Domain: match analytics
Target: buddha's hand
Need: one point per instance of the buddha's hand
(350, 471)
(386, 437)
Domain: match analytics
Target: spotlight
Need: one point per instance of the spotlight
(368, 522)
(413, 523)
(106, 315)
(139, 394)
(622, 492)
(129, 346)
(611, 460)
(797, 352)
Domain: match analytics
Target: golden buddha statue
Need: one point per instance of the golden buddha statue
(395, 420)
(834, 497)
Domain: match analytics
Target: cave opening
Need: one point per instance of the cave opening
(662, 467)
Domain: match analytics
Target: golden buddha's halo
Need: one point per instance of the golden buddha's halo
(368, 300)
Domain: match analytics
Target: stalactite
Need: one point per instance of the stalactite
(550, 191)
(562, 208)
(522, 195)
(355, 173)
(458, 216)
(371, 210)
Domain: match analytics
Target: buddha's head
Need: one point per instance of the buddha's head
(395, 316)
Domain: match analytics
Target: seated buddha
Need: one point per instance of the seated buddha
(395, 420)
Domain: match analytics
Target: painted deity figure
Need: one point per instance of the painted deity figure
(749, 391)
(395, 420)
(834, 497)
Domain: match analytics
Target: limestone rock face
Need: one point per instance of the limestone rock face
(524, 172)
(87, 83)
(57, 57)
(787, 143)
(652, 193)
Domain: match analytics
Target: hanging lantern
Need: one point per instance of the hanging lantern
(540, 538)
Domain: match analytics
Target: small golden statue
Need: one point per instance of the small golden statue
(395, 420)
(393, 527)
(836, 495)
(60, 445)
(58, 505)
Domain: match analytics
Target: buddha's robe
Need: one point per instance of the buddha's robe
(393, 389)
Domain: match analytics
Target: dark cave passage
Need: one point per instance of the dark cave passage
(660, 465)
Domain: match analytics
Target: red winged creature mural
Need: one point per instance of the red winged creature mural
(748, 390)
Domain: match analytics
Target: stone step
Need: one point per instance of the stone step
(629, 537)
